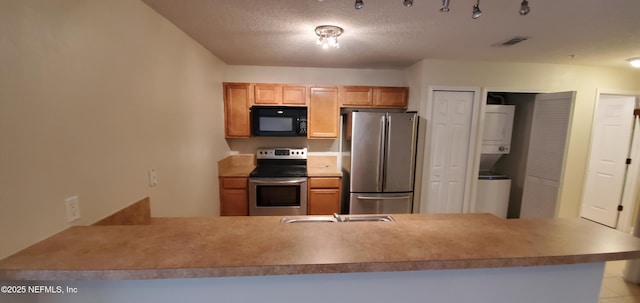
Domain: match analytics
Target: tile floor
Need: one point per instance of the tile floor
(616, 290)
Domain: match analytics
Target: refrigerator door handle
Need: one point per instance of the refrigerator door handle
(381, 154)
(383, 198)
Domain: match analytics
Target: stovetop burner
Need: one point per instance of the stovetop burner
(279, 171)
(280, 163)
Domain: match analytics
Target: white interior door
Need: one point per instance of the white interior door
(545, 159)
(451, 130)
(610, 142)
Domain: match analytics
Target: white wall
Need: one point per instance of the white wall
(536, 78)
(312, 75)
(93, 94)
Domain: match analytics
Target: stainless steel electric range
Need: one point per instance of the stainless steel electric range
(278, 184)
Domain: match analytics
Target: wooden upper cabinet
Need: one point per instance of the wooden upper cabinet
(237, 100)
(356, 96)
(390, 97)
(373, 97)
(323, 116)
(267, 94)
(294, 95)
(278, 94)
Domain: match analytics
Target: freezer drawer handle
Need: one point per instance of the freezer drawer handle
(383, 198)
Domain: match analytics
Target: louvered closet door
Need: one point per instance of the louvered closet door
(545, 158)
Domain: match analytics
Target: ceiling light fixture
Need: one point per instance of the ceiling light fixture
(524, 7)
(328, 35)
(445, 6)
(476, 10)
(359, 4)
(635, 62)
(408, 3)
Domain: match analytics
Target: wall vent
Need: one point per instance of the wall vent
(511, 41)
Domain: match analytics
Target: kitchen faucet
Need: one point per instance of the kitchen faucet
(338, 217)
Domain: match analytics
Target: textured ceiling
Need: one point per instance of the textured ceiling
(386, 34)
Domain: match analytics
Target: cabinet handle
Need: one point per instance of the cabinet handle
(382, 198)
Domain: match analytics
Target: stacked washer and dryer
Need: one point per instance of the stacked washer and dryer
(492, 194)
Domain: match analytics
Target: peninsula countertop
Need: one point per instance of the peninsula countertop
(256, 246)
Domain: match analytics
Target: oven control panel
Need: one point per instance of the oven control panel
(281, 153)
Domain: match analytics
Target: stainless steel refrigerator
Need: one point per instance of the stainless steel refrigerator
(378, 159)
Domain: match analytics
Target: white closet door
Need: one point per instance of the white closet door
(610, 142)
(451, 131)
(545, 159)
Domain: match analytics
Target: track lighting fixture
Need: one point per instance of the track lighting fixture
(445, 6)
(328, 36)
(476, 10)
(524, 7)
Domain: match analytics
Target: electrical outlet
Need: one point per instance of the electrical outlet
(153, 177)
(72, 206)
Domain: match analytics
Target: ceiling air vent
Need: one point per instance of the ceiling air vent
(512, 41)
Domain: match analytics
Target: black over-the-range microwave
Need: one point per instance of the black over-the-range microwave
(278, 121)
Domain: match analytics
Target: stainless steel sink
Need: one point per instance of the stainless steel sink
(308, 219)
(338, 219)
(367, 218)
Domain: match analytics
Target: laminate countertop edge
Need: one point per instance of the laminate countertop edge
(261, 246)
(274, 270)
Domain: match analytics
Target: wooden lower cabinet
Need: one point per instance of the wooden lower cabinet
(323, 196)
(234, 196)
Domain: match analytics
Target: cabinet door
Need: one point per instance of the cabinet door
(234, 197)
(390, 97)
(237, 99)
(324, 113)
(294, 95)
(324, 201)
(267, 94)
(324, 196)
(357, 96)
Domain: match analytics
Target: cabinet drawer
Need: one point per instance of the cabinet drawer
(324, 182)
(234, 182)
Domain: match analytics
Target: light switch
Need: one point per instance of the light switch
(72, 206)
(153, 177)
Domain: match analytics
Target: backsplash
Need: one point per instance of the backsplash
(249, 146)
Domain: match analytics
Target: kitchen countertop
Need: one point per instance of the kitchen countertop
(257, 246)
(236, 166)
(242, 165)
(323, 166)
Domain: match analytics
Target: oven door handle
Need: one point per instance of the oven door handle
(277, 182)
